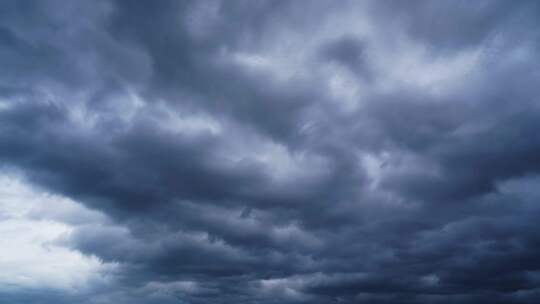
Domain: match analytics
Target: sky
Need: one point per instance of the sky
(264, 152)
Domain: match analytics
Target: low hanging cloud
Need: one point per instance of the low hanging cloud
(269, 152)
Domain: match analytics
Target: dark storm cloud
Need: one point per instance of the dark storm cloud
(283, 152)
(349, 52)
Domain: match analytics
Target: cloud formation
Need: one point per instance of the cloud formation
(271, 151)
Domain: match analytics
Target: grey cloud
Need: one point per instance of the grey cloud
(283, 152)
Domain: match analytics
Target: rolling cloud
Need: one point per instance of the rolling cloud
(207, 152)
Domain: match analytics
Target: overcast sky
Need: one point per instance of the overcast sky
(265, 152)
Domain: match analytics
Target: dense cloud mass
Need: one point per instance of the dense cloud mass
(205, 152)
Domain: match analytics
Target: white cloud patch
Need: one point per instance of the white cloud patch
(32, 226)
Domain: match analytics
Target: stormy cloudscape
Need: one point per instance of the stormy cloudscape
(217, 152)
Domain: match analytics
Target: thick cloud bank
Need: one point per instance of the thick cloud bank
(207, 152)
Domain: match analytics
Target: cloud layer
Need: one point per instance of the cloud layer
(270, 151)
